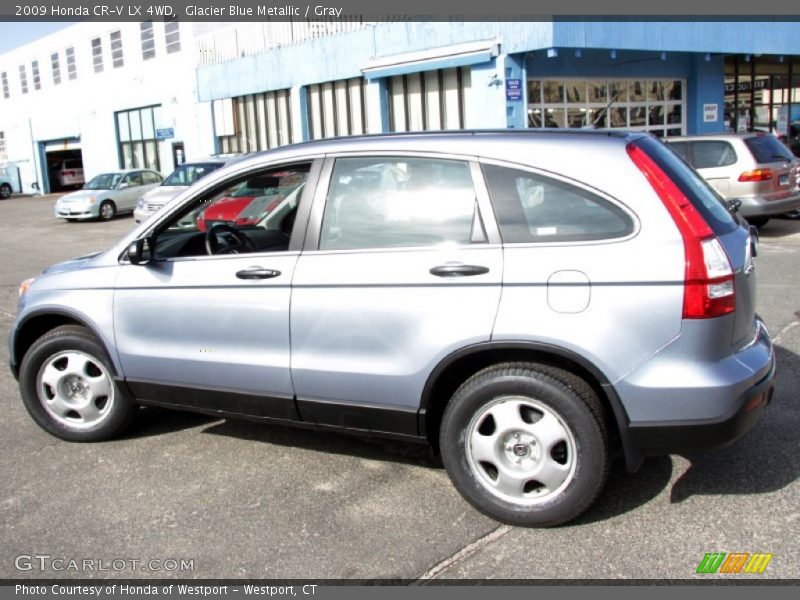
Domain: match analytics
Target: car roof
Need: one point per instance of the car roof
(719, 136)
(500, 144)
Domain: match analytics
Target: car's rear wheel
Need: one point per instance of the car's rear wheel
(5, 191)
(67, 387)
(107, 210)
(792, 214)
(526, 444)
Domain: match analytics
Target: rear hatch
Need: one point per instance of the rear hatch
(732, 232)
(781, 180)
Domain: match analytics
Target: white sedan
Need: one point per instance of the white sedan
(107, 194)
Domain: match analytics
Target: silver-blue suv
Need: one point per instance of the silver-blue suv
(528, 303)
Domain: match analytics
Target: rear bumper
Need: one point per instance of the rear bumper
(676, 402)
(674, 437)
(758, 206)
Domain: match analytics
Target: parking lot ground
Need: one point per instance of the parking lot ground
(249, 500)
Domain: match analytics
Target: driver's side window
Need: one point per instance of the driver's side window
(253, 213)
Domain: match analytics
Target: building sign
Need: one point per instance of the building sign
(746, 86)
(165, 134)
(710, 113)
(513, 90)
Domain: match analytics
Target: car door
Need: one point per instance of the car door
(402, 266)
(130, 188)
(211, 331)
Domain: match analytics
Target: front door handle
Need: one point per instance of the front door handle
(257, 273)
(458, 270)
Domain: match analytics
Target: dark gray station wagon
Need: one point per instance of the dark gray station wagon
(528, 303)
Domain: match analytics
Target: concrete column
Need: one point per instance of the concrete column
(377, 106)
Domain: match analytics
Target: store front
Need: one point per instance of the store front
(762, 93)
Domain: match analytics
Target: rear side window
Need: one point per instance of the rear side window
(150, 177)
(390, 202)
(707, 154)
(707, 202)
(533, 208)
(682, 150)
(767, 149)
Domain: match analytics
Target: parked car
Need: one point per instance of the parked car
(107, 194)
(69, 173)
(248, 204)
(5, 185)
(496, 295)
(176, 182)
(753, 171)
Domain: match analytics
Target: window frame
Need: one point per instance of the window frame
(579, 185)
(206, 188)
(485, 210)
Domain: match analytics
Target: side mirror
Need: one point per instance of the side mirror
(140, 251)
(124, 185)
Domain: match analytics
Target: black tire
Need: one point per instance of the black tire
(71, 340)
(107, 210)
(757, 221)
(535, 388)
(5, 191)
(792, 214)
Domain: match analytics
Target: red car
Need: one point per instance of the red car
(249, 203)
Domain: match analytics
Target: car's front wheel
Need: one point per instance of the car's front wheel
(5, 191)
(526, 444)
(67, 387)
(107, 210)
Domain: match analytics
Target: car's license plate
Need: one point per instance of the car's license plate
(783, 180)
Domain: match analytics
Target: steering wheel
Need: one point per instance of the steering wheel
(222, 238)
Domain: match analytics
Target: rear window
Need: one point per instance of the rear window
(702, 196)
(682, 150)
(767, 149)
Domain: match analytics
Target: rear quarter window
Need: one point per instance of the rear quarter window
(767, 149)
(534, 208)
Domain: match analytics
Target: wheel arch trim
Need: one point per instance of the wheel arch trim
(76, 317)
(633, 458)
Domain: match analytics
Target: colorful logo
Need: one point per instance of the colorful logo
(734, 562)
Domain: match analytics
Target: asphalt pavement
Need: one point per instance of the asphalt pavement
(236, 499)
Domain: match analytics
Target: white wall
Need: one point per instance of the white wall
(85, 107)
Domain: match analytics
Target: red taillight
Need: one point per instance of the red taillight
(708, 277)
(68, 173)
(756, 175)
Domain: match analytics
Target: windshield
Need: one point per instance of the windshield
(106, 181)
(188, 174)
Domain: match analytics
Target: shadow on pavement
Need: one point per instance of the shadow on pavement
(627, 491)
(764, 459)
(328, 442)
(151, 421)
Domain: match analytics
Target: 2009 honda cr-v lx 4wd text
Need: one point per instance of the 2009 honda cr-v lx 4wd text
(528, 303)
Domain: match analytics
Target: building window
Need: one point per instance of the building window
(148, 40)
(97, 55)
(37, 80)
(72, 71)
(23, 79)
(55, 65)
(337, 108)
(4, 77)
(172, 36)
(253, 122)
(136, 131)
(116, 49)
(430, 100)
(654, 105)
(3, 151)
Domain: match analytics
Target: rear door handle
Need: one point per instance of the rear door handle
(257, 273)
(458, 270)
